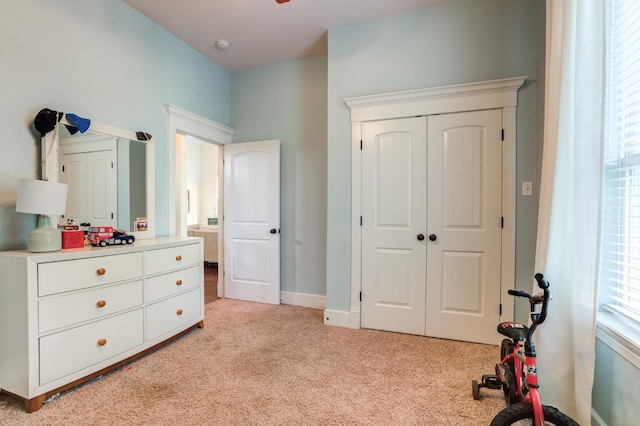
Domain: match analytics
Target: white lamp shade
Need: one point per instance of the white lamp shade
(41, 197)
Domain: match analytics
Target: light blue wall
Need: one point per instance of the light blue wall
(456, 42)
(616, 388)
(288, 101)
(102, 60)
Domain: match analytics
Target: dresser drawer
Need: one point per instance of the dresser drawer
(72, 350)
(58, 277)
(162, 317)
(172, 283)
(169, 259)
(70, 308)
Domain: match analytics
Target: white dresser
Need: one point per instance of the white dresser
(69, 316)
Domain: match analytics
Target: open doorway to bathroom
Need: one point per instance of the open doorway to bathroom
(182, 123)
(202, 204)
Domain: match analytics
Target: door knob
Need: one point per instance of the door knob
(433, 237)
(273, 230)
(420, 237)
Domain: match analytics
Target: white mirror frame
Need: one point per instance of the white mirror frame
(50, 145)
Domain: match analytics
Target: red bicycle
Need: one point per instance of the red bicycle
(517, 372)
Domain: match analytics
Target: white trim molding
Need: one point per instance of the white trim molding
(314, 301)
(192, 124)
(184, 122)
(436, 100)
(596, 420)
(494, 94)
(338, 318)
(622, 338)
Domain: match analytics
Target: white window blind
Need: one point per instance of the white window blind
(620, 254)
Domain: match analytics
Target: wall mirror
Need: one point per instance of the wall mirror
(110, 174)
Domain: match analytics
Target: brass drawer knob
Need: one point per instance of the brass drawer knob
(179, 282)
(101, 303)
(179, 312)
(101, 271)
(102, 342)
(178, 258)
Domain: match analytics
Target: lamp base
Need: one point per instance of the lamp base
(44, 238)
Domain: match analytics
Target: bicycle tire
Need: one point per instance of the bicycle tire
(509, 387)
(475, 390)
(516, 413)
(506, 347)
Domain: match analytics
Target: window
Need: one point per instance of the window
(619, 292)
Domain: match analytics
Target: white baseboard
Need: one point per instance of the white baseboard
(347, 319)
(337, 318)
(596, 420)
(303, 299)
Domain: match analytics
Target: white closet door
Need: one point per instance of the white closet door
(394, 204)
(92, 192)
(464, 220)
(73, 173)
(431, 226)
(102, 195)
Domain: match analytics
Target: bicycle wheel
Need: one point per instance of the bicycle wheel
(506, 347)
(509, 386)
(522, 414)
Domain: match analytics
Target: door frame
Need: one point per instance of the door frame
(494, 94)
(183, 122)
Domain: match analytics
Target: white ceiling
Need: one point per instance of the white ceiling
(262, 32)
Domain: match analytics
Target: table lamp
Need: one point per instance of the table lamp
(44, 198)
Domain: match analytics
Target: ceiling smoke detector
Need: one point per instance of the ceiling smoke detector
(222, 45)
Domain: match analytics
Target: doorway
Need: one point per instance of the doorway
(499, 95)
(182, 123)
(438, 176)
(202, 186)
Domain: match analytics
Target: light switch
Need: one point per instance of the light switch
(527, 189)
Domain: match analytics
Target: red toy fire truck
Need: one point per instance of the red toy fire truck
(105, 235)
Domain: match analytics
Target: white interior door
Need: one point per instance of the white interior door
(73, 172)
(102, 177)
(464, 225)
(92, 180)
(431, 226)
(394, 156)
(252, 221)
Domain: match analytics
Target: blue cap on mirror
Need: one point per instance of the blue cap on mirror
(81, 124)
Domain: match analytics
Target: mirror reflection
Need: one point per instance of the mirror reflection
(106, 175)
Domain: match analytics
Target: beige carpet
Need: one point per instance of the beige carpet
(256, 364)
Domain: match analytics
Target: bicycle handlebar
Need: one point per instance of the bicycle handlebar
(542, 283)
(537, 318)
(518, 293)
